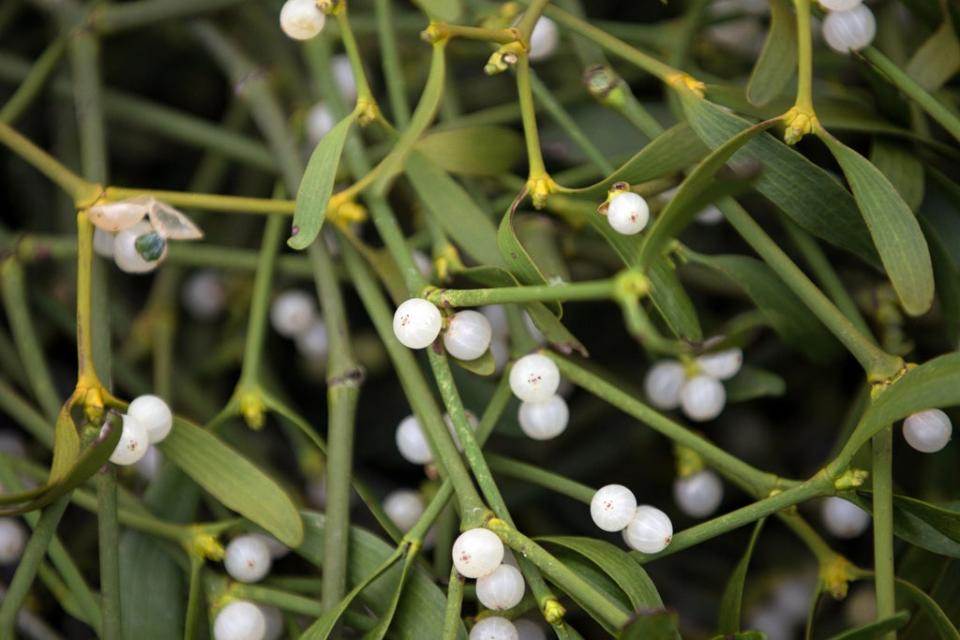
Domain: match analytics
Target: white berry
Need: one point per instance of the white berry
(709, 215)
(468, 335)
(663, 383)
(840, 5)
(534, 378)
(529, 630)
(343, 76)
(543, 39)
(154, 414)
(103, 243)
(318, 123)
(274, 622)
(544, 420)
(133, 444)
(502, 589)
(698, 495)
(292, 313)
(204, 295)
(650, 531)
(240, 620)
(277, 549)
(424, 263)
(612, 507)
(148, 466)
(851, 30)
(702, 398)
(301, 19)
(497, 316)
(312, 343)
(721, 365)
(404, 507)
(494, 628)
(125, 254)
(13, 538)
(477, 553)
(628, 213)
(843, 519)
(247, 559)
(417, 323)
(928, 431)
(412, 443)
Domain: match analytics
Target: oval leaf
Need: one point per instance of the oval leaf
(778, 60)
(476, 151)
(732, 599)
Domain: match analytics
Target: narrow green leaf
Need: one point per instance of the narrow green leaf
(945, 628)
(475, 151)
(596, 577)
(66, 445)
(317, 185)
(895, 231)
(485, 365)
(693, 196)
(233, 480)
(672, 151)
(810, 196)
(616, 563)
(777, 63)
(386, 618)
(671, 301)
(902, 168)
(913, 527)
(456, 212)
(937, 59)
(519, 262)
(732, 599)
(788, 316)
(541, 237)
(876, 629)
(753, 382)
(947, 278)
(651, 625)
(443, 10)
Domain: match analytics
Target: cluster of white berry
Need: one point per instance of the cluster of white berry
(135, 232)
(543, 413)
(479, 554)
(294, 315)
(148, 421)
(645, 528)
(248, 558)
(849, 25)
(418, 322)
(696, 388)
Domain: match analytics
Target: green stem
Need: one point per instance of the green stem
(937, 110)
(207, 201)
(804, 99)
(109, 546)
(142, 13)
(566, 292)
(34, 82)
(540, 477)
(194, 599)
(642, 328)
(451, 616)
(530, 17)
(75, 186)
(260, 302)
(353, 53)
(878, 364)
(882, 475)
(536, 168)
(390, 59)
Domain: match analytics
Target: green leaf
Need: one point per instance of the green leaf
(777, 63)
(937, 59)
(540, 236)
(386, 618)
(475, 151)
(442, 10)
(947, 278)
(616, 563)
(732, 599)
(945, 628)
(519, 262)
(317, 185)
(66, 445)
(597, 579)
(672, 151)
(933, 384)
(876, 629)
(742, 635)
(695, 193)
(651, 625)
(753, 382)
(456, 212)
(788, 316)
(420, 611)
(913, 527)
(233, 480)
(485, 365)
(895, 231)
(902, 168)
(810, 196)
(671, 301)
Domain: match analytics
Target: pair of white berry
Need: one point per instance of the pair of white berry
(479, 553)
(148, 421)
(242, 620)
(702, 396)
(294, 315)
(543, 413)
(849, 25)
(417, 323)
(645, 528)
(248, 558)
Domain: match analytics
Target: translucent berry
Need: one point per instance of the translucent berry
(494, 628)
(204, 295)
(292, 312)
(417, 323)
(477, 552)
(274, 622)
(928, 431)
(240, 620)
(628, 213)
(154, 414)
(412, 443)
(544, 39)
(852, 30)
(301, 19)
(534, 378)
(544, 420)
(612, 507)
(247, 559)
(277, 549)
(843, 519)
(468, 335)
(312, 343)
(698, 495)
(133, 444)
(840, 5)
(125, 254)
(404, 507)
(702, 398)
(529, 630)
(103, 243)
(721, 365)
(650, 530)
(318, 123)
(502, 589)
(663, 383)
(13, 538)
